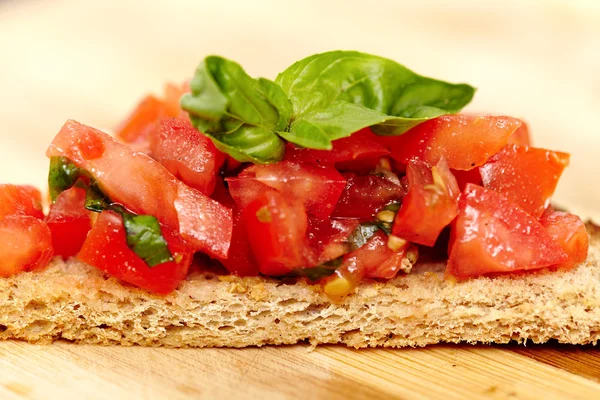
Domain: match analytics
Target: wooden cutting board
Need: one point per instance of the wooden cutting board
(67, 371)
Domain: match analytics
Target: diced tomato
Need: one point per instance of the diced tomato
(430, 205)
(525, 175)
(106, 249)
(374, 260)
(69, 222)
(186, 153)
(319, 188)
(25, 244)
(365, 195)
(20, 200)
(276, 229)
(569, 232)
(144, 118)
(521, 136)
(356, 151)
(465, 177)
(240, 260)
(144, 186)
(141, 122)
(328, 238)
(172, 94)
(492, 234)
(464, 141)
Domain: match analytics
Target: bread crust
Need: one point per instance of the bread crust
(73, 301)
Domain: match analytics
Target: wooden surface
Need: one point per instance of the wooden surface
(92, 60)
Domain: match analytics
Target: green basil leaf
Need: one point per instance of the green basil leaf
(95, 199)
(320, 271)
(145, 238)
(340, 92)
(62, 175)
(314, 273)
(361, 235)
(241, 115)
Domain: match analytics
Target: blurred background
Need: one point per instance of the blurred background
(92, 61)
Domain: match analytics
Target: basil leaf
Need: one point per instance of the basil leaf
(241, 115)
(320, 271)
(386, 96)
(95, 199)
(145, 238)
(361, 235)
(62, 175)
(317, 100)
(314, 273)
(367, 80)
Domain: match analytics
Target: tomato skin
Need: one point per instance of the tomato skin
(429, 206)
(365, 195)
(319, 188)
(521, 136)
(142, 121)
(186, 153)
(69, 222)
(106, 249)
(276, 228)
(144, 186)
(25, 244)
(568, 230)
(360, 149)
(20, 200)
(525, 175)
(327, 239)
(492, 234)
(464, 141)
(465, 177)
(373, 260)
(240, 260)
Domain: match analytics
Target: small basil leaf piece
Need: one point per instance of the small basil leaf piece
(238, 113)
(143, 233)
(314, 273)
(361, 235)
(62, 175)
(95, 199)
(145, 238)
(320, 271)
(387, 96)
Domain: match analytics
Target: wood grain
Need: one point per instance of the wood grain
(69, 371)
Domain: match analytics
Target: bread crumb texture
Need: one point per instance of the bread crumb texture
(73, 301)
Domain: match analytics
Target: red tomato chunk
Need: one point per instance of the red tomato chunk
(318, 188)
(69, 222)
(464, 141)
(146, 187)
(276, 229)
(106, 249)
(20, 200)
(430, 205)
(525, 175)
(569, 232)
(492, 234)
(25, 244)
(365, 195)
(186, 153)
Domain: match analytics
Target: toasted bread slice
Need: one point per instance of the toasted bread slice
(73, 301)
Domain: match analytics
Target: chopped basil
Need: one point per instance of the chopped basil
(361, 235)
(143, 232)
(62, 176)
(145, 238)
(319, 99)
(320, 271)
(95, 200)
